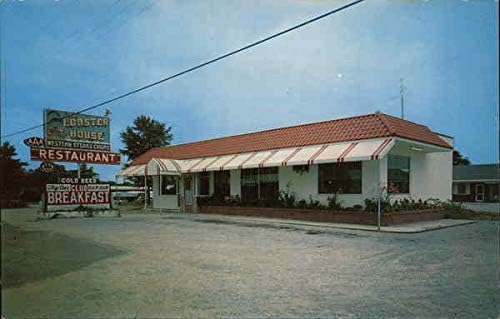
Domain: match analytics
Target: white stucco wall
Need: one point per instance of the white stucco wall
(162, 201)
(211, 184)
(430, 173)
(235, 183)
(300, 184)
(372, 172)
(433, 179)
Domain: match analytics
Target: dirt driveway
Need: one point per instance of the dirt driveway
(147, 266)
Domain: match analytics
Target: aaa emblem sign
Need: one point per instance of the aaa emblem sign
(34, 141)
(47, 167)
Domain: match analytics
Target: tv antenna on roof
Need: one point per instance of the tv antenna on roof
(401, 92)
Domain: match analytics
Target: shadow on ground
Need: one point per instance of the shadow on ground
(29, 256)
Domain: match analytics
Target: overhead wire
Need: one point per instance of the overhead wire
(201, 65)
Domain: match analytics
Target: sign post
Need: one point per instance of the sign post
(378, 208)
(146, 192)
(74, 138)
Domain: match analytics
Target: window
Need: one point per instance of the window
(269, 183)
(221, 184)
(340, 178)
(168, 185)
(461, 189)
(259, 183)
(301, 169)
(398, 174)
(204, 183)
(494, 190)
(249, 187)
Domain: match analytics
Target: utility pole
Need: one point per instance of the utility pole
(401, 92)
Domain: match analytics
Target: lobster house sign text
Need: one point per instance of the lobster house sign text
(76, 131)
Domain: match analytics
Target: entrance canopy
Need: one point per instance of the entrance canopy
(161, 166)
(314, 154)
(136, 170)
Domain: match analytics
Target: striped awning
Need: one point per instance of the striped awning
(136, 170)
(330, 153)
(315, 154)
(355, 151)
(161, 166)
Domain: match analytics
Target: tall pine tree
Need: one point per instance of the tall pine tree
(12, 172)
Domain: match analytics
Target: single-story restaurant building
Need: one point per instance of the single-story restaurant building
(477, 187)
(351, 158)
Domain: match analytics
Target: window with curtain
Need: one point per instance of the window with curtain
(343, 178)
(168, 185)
(398, 174)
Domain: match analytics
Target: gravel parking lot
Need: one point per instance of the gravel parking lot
(147, 266)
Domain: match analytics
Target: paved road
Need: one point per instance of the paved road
(145, 266)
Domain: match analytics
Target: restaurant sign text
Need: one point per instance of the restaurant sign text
(76, 156)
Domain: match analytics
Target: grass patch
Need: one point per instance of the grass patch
(469, 214)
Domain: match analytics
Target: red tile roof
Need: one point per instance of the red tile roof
(333, 131)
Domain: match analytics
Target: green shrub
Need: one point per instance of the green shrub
(302, 204)
(234, 200)
(332, 203)
(403, 204)
(371, 205)
(31, 195)
(12, 203)
(355, 208)
(314, 204)
(287, 199)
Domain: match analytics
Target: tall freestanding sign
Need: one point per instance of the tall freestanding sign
(77, 138)
(76, 131)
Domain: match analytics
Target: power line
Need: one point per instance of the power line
(300, 25)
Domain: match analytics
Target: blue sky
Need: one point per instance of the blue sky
(70, 54)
